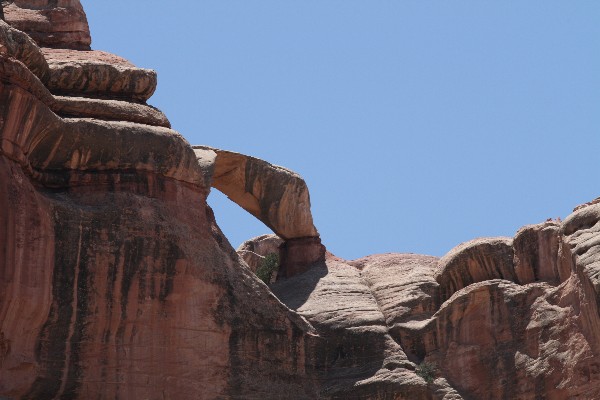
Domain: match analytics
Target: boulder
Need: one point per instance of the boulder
(254, 250)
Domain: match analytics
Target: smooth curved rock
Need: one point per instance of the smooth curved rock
(499, 340)
(357, 357)
(94, 145)
(51, 23)
(276, 196)
(475, 261)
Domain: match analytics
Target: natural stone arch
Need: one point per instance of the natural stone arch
(275, 195)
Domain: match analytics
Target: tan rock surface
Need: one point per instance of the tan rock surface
(581, 232)
(254, 250)
(206, 162)
(496, 339)
(355, 357)
(17, 47)
(536, 254)
(275, 195)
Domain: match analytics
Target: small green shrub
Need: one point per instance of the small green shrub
(426, 370)
(267, 267)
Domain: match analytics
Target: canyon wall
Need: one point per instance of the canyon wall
(116, 282)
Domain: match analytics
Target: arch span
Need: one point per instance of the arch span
(275, 195)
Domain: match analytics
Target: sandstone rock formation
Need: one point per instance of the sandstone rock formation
(276, 196)
(116, 282)
(254, 250)
(51, 23)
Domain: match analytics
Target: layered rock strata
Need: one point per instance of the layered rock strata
(116, 282)
(51, 23)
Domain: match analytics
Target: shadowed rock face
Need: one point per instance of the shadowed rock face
(475, 261)
(116, 282)
(254, 250)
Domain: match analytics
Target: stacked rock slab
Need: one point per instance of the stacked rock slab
(51, 23)
(116, 282)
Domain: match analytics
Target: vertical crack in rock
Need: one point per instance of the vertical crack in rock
(74, 313)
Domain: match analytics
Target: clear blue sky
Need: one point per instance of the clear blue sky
(417, 124)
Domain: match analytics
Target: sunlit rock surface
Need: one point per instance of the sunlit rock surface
(116, 281)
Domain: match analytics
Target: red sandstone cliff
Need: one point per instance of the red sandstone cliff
(116, 282)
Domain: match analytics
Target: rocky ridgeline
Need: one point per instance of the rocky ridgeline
(116, 282)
